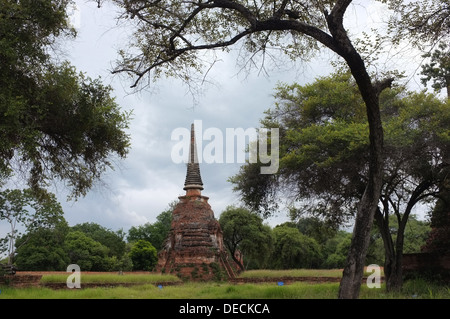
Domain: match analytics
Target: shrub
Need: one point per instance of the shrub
(143, 255)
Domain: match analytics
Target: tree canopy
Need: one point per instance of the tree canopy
(25, 212)
(244, 233)
(438, 70)
(324, 149)
(143, 255)
(323, 158)
(423, 22)
(56, 124)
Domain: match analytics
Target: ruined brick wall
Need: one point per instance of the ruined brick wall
(194, 248)
(20, 280)
(427, 265)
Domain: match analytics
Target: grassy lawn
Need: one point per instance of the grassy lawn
(113, 278)
(146, 289)
(269, 273)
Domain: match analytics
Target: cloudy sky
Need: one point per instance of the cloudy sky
(143, 185)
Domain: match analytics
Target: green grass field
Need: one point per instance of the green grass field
(113, 278)
(269, 273)
(144, 288)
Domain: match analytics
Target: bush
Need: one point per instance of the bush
(143, 255)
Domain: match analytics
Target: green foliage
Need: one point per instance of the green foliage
(29, 210)
(55, 123)
(244, 231)
(335, 250)
(313, 227)
(143, 255)
(155, 233)
(422, 22)
(108, 238)
(438, 70)
(86, 252)
(89, 245)
(43, 250)
(415, 236)
(439, 237)
(325, 148)
(292, 249)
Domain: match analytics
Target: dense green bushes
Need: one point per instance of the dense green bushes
(305, 243)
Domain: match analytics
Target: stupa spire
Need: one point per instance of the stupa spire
(193, 182)
(194, 246)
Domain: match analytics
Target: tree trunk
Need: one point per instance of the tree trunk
(395, 281)
(393, 273)
(233, 249)
(342, 45)
(354, 269)
(392, 263)
(238, 262)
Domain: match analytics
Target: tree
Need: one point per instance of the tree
(87, 253)
(23, 209)
(292, 249)
(171, 35)
(155, 233)
(439, 238)
(108, 238)
(43, 249)
(335, 250)
(244, 232)
(427, 22)
(418, 167)
(421, 21)
(55, 124)
(314, 227)
(143, 255)
(324, 154)
(438, 70)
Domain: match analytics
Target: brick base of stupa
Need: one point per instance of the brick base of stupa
(194, 249)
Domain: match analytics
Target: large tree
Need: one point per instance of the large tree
(27, 213)
(112, 240)
(55, 124)
(43, 249)
(171, 37)
(244, 233)
(292, 249)
(323, 158)
(143, 255)
(87, 253)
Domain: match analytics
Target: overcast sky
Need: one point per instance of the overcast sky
(143, 185)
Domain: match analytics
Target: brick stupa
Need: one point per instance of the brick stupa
(194, 248)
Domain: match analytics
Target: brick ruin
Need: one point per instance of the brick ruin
(434, 259)
(194, 248)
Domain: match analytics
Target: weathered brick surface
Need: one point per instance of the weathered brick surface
(20, 280)
(427, 264)
(194, 248)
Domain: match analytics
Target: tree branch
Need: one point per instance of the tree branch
(384, 84)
